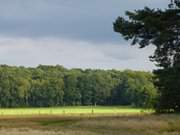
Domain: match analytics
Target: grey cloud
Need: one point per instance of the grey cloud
(76, 19)
(72, 54)
(74, 33)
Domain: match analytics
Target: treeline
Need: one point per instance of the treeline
(46, 86)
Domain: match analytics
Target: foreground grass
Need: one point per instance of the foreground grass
(108, 125)
(72, 110)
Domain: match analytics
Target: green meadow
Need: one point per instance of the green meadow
(77, 110)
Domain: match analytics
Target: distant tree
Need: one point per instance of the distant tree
(141, 90)
(84, 86)
(45, 93)
(136, 89)
(46, 86)
(102, 85)
(160, 28)
(72, 95)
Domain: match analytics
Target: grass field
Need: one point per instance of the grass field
(87, 121)
(81, 110)
(147, 124)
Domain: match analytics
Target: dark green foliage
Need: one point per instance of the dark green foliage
(157, 27)
(136, 88)
(72, 95)
(168, 82)
(46, 92)
(160, 28)
(46, 86)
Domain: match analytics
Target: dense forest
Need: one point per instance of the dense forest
(46, 86)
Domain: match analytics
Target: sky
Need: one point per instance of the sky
(72, 33)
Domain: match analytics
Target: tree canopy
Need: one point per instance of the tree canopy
(160, 28)
(46, 86)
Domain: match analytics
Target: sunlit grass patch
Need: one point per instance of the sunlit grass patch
(74, 110)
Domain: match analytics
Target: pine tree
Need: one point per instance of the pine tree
(160, 28)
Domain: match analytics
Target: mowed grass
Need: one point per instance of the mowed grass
(76, 110)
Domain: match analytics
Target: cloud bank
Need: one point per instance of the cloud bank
(73, 54)
(75, 19)
(73, 33)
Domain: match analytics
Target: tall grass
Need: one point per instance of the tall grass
(118, 125)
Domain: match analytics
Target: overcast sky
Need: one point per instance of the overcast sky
(72, 33)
